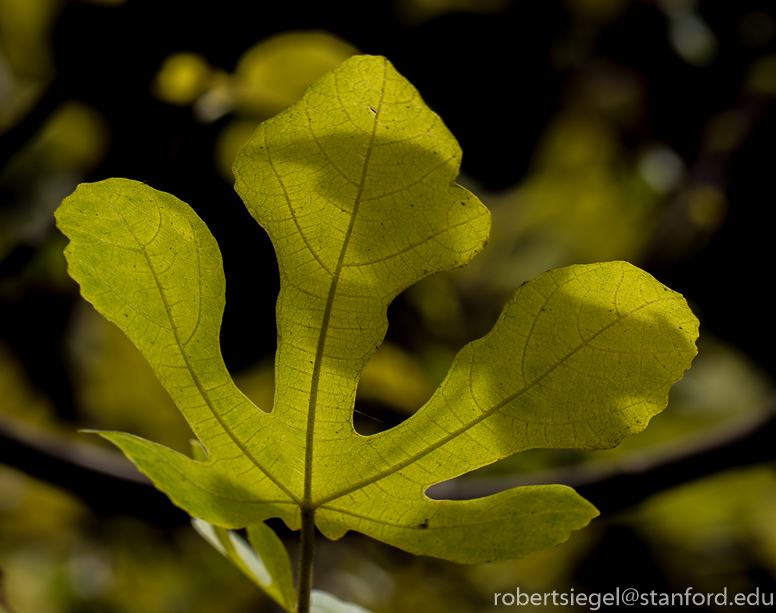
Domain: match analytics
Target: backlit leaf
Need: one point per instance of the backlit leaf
(355, 186)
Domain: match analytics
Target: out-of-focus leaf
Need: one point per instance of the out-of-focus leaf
(762, 75)
(26, 54)
(4, 606)
(75, 138)
(182, 78)
(395, 378)
(269, 77)
(258, 382)
(265, 561)
(274, 73)
(230, 140)
(714, 531)
(323, 602)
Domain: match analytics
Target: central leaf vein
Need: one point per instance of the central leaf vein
(320, 349)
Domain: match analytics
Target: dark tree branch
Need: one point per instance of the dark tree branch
(103, 479)
(111, 485)
(615, 487)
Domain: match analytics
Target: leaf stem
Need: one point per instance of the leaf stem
(306, 550)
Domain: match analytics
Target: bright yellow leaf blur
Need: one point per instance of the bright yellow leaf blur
(273, 74)
(396, 379)
(270, 76)
(26, 64)
(75, 138)
(182, 78)
(712, 526)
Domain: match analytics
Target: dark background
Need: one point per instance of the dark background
(496, 79)
(491, 78)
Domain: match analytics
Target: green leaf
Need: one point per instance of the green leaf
(265, 561)
(581, 357)
(323, 602)
(355, 186)
(149, 265)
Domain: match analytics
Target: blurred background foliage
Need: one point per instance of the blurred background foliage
(593, 129)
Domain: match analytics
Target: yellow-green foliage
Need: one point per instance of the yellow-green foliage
(355, 186)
